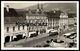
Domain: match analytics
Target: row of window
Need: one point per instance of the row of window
(33, 24)
(34, 21)
(35, 17)
(13, 28)
(23, 27)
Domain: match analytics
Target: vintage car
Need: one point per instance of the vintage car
(70, 35)
(53, 32)
(32, 34)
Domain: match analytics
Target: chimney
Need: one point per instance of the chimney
(7, 8)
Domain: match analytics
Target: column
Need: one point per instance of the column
(24, 34)
(39, 31)
(47, 22)
(14, 37)
(10, 38)
(4, 40)
(27, 33)
(21, 28)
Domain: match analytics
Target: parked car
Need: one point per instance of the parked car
(58, 41)
(38, 46)
(72, 44)
(70, 35)
(46, 45)
(32, 34)
(53, 32)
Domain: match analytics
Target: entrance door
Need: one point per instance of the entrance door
(7, 38)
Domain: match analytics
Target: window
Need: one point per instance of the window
(23, 27)
(18, 27)
(13, 28)
(7, 29)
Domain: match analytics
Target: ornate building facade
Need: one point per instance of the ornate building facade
(36, 20)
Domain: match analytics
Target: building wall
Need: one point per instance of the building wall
(50, 23)
(56, 22)
(53, 22)
(12, 20)
(35, 19)
(10, 32)
(63, 22)
(71, 21)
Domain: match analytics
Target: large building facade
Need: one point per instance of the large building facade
(36, 20)
(63, 21)
(11, 30)
(53, 19)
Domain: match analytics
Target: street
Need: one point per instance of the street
(36, 41)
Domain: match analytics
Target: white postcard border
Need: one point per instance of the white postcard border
(2, 25)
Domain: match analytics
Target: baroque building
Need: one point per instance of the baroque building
(36, 20)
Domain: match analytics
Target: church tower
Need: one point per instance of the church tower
(40, 8)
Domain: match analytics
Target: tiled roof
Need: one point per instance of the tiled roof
(11, 13)
(71, 15)
(51, 14)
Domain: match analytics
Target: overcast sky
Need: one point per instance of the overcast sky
(19, 5)
(62, 6)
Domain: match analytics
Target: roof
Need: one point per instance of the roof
(51, 14)
(35, 13)
(71, 15)
(12, 16)
(11, 13)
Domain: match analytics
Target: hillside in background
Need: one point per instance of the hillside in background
(69, 7)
